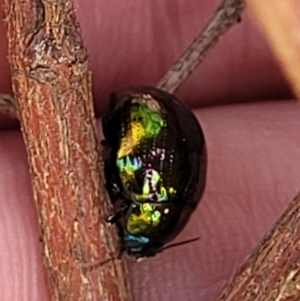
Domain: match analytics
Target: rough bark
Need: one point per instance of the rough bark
(272, 272)
(52, 85)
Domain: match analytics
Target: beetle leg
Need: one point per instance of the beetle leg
(114, 192)
(121, 251)
(122, 248)
(120, 213)
(106, 151)
(111, 184)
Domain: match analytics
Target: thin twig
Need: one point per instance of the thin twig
(281, 25)
(228, 14)
(272, 271)
(8, 106)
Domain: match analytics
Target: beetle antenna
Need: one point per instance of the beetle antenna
(180, 243)
(97, 264)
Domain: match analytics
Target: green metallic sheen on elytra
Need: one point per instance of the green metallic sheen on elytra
(157, 158)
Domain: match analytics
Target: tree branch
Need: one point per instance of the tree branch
(227, 15)
(272, 272)
(52, 84)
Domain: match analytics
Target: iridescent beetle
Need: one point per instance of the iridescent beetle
(154, 165)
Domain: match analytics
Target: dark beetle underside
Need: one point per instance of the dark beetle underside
(155, 167)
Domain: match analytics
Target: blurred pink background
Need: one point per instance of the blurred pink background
(251, 126)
